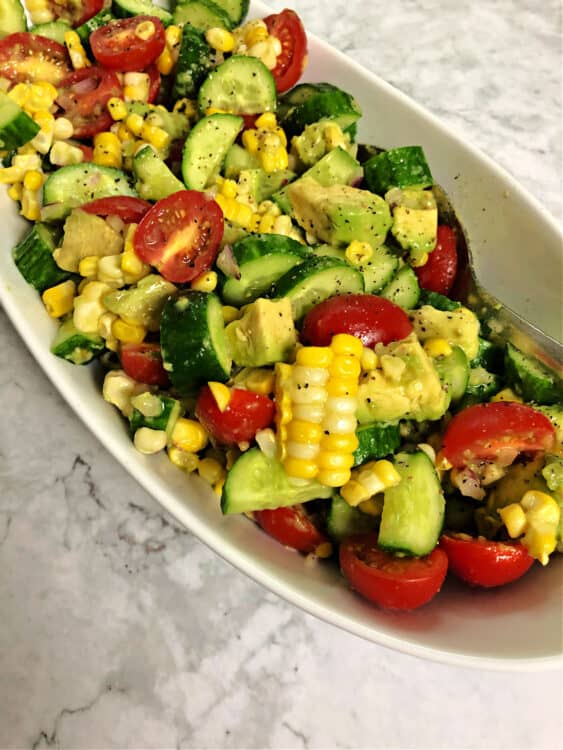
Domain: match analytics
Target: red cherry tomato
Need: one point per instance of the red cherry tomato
(143, 362)
(246, 413)
(180, 235)
(87, 151)
(76, 12)
(485, 431)
(83, 96)
(438, 274)
(291, 62)
(118, 46)
(372, 319)
(481, 562)
(128, 209)
(31, 57)
(391, 582)
(290, 526)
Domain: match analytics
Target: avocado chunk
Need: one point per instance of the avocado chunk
(404, 385)
(86, 234)
(415, 221)
(339, 214)
(459, 327)
(318, 139)
(141, 305)
(265, 334)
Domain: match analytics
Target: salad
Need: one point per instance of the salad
(274, 304)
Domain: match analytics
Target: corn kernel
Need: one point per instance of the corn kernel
(62, 129)
(514, 519)
(334, 460)
(254, 32)
(220, 39)
(260, 381)
(437, 347)
(267, 121)
(323, 550)
(59, 299)
(347, 345)
(333, 477)
(149, 441)
(300, 468)
(33, 180)
(15, 191)
(210, 470)
(507, 394)
(189, 436)
(128, 333)
(221, 393)
(368, 359)
(173, 35)
(116, 108)
(165, 62)
(186, 461)
(186, 106)
(344, 443)
(358, 252)
(157, 137)
(314, 356)
(230, 313)
(372, 507)
(145, 30)
(354, 493)
(304, 432)
(88, 266)
(135, 123)
(229, 188)
(422, 261)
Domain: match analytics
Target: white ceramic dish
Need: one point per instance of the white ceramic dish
(517, 627)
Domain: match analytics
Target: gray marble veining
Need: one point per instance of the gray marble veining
(120, 630)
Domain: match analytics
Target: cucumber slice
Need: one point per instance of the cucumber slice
(490, 356)
(12, 17)
(344, 521)
(531, 378)
(403, 289)
(439, 301)
(128, 8)
(237, 160)
(195, 60)
(33, 256)
(170, 410)
(262, 185)
(16, 127)
(241, 85)
(453, 370)
(335, 168)
(206, 147)
(192, 339)
(54, 30)
(398, 167)
(379, 269)
(481, 386)
(201, 14)
(75, 346)
(376, 440)
(317, 279)
(256, 482)
(155, 179)
(96, 22)
(413, 510)
(318, 101)
(262, 260)
(77, 184)
(235, 9)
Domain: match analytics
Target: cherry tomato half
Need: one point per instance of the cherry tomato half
(180, 235)
(372, 319)
(123, 45)
(291, 62)
(291, 527)
(484, 431)
(438, 274)
(391, 582)
(84, 94)
(128, 209)
(143, 362)
(154, 83)
(76, 12)
(246, 413)
(31, 57)
(481, 562)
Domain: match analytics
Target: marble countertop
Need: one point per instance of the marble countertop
(106, 603)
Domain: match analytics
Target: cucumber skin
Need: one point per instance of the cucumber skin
(376, 441)
(399, 167)
(416, 502)
(544, 388)
(324, 101)
(120, 10)
(344, 521)
(194, 62)
(33, 256)
(188, 353)
(406, 295)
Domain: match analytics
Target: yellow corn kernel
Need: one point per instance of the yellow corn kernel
(422, 261)
(346, 367)
(358, 252)
(157, 137)
(347, 345)
(30, 208)
(220, 39)
(335, 460)
(260, 381)
(345, 443)
(507, 394)
(272, 160)
(251, 141)
(333, 135)
(230, 313)
(354, 493)
(205, 282)
(62, 129)
(333, 477)
(323, 550)
(229, 188)
(189, 436)
(149, 441)
(186, 461)
(267, 223)
(210, 470)
(88, 266)
(173, 35)
(300, 468)
(368, 360)
(216, 111)
(33, 180)
(76, 51)
(145, 30)
(514, 519)
(372, 506)
(342, 386)
(254, 32)
(221, 393)
(218, 486)
(128, 333)
(304, 432)
(387, 473)
(254, 224)
(267, 121)
(186, 106)
(165, 62)
(135, 123)
(314, 356)
(437, 347)
(10, 175)
(59, 299)
(117, 109)
(15, 191)
(123, 133)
